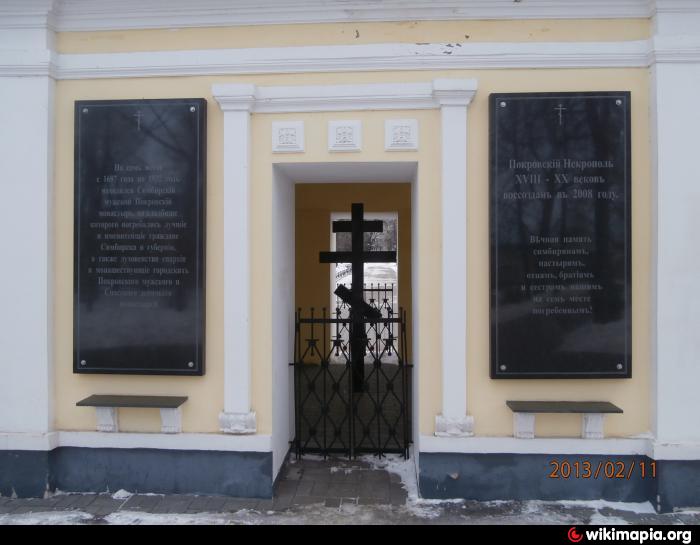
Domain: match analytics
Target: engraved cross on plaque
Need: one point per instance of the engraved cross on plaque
(560, 109)
(138, 115)
(358, 226)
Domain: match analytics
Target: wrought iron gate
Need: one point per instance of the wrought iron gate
(339, 411)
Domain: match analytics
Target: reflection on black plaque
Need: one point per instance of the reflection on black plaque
(139, 236)
(560, 235)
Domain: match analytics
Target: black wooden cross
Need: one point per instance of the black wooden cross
(359, 315)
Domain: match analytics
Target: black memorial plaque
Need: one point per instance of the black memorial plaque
(139, 236)
(560, 235)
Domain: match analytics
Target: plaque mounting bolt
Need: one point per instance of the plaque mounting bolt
(503, 368)
(190, 364)
(85, 110)
(192, 108)
(503, 104)
(83, 362)
(618, 102)
(619, 366)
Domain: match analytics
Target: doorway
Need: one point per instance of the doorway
(335, 411)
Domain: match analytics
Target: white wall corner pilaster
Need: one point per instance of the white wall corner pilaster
(675, 116)
(236, 101)
(453, 97)
(26, 155)
(675, 17)
(344, 135)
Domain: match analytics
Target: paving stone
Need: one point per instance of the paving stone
(102, 509)
(281, 503)
(378, 490)
(198, 504)
(84, 500)
(333, 502)
(286, 488)
(216, 504)
(346, 478)
(316, 474)
(67, 501)
(304, 488)
(293, 473)
(398, 495)
(238, 504)
(375, 477)
(308, 500)
(320, 488)
(343, 490)
(365, 500)
(174, 504)
(24, 509)
(39, 504)
(265, 505)
(141, 503)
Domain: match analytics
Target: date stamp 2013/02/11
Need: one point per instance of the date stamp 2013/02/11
(601, 469)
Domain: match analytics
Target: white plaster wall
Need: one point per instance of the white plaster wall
(676, 256)
(26, 106)
(283, 317)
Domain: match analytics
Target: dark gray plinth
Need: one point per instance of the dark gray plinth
(678, 484)
(24, 473)
(526, 477)
(241, 474)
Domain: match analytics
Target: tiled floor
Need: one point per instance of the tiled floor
(336, 482)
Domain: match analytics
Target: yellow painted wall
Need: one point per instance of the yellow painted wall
(354, 34)
(486, 398)
(314, 205)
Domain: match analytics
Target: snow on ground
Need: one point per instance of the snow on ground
(52, 518)
(644, 508)
(176, 519)
(122, 495)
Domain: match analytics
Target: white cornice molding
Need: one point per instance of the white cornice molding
(92, 15)
(28, 63)
(327, 98)
(350, 58)
(673, 6)
(454, 92)
(235, 97)
(354, 58)
(27, 14)
(100, 15)
(675, 49)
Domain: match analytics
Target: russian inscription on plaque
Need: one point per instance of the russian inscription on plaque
(139, 236)
(560, 235)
